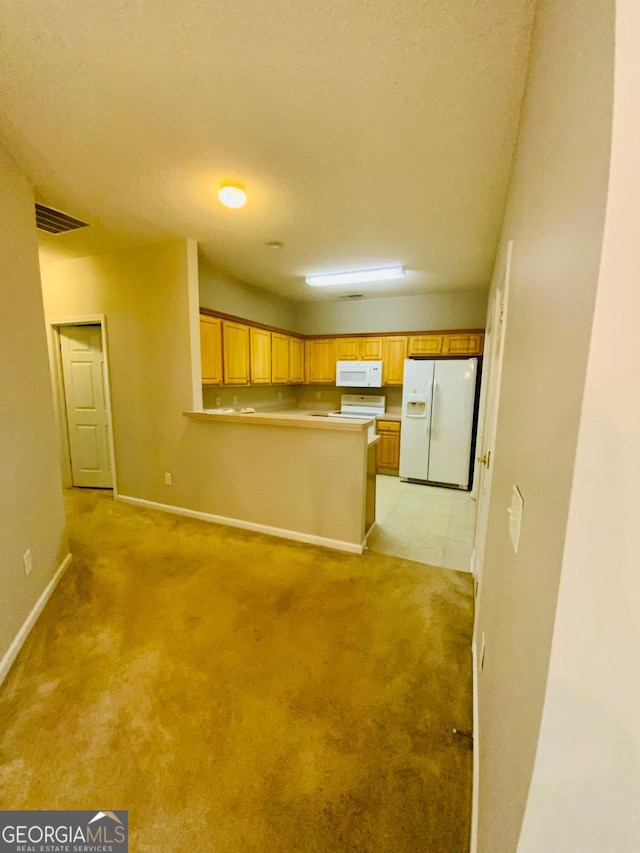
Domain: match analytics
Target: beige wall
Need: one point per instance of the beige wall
(144, 293)
(585, 792)
(306, 480)
(462, 310)
(555, 215)
(229, 471)
(224, 293)
(31, 505)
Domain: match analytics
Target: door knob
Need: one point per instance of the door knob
(485, 459)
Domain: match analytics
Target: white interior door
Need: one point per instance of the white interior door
(496, 328)
(86, 405)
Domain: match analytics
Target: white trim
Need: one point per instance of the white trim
(281, 532)
(193, 282)
(18, 641)
(365, 542)
(476, 755)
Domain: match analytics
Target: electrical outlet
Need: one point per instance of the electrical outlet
(28, 561)
(318, 395)
(218, 402)
(168, 479)
(235, 399)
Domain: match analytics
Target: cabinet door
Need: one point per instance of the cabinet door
(425, 344)
(296, 361)
(235, 350)
(370, 349)
(347, 349)
(211, 350)
(321, 361)
(260, 347)
(388, 455)
(279, 358)
(394, 354)
(464, 344)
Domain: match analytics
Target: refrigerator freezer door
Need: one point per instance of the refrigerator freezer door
(416, 420)
(452, 421)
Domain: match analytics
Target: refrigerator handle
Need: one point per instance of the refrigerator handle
(434, 388)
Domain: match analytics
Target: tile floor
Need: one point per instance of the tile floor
(428, 524)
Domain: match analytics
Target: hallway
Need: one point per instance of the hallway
(241, 693)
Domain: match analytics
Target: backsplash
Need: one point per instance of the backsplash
(274, 397)
(254, 396)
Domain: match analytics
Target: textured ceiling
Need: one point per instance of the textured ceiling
(366, 133)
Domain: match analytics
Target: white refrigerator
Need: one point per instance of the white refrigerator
(438, 399)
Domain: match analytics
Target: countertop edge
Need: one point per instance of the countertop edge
(304, 421)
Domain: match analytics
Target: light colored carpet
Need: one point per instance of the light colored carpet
(240, 693)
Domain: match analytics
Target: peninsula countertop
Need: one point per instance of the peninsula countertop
(307, 419)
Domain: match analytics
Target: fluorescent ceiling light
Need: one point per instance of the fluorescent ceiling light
(356, 277)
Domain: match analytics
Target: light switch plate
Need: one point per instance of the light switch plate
(515, 517)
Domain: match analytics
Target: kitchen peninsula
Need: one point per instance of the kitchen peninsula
(290, 473)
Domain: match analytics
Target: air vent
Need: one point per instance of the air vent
(54, 221)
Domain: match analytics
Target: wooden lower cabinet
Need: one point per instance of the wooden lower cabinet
(388, 449)
(211, 350)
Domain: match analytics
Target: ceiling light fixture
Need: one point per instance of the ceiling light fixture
(356, 277)
(232, 194)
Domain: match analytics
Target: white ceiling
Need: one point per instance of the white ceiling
(366, 133)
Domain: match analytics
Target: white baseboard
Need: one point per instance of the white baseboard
(18, 641)
(476, 755)
(280, 532)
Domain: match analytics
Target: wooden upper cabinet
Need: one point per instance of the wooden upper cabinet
(371, 349)
(296, 361)
(211, 350)
(394, 354)
(235, 351)
(320, 356)
(463, 344)
(425, 344)
(446, 343)
(347, 349)
(279, 358)
(260, 349)
(359, 349)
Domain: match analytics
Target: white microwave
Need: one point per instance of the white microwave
(359, 374)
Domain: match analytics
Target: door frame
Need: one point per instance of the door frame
(60, 409)
(490, 404)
